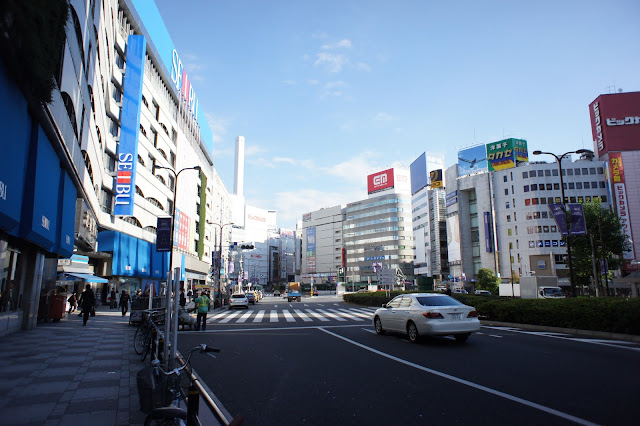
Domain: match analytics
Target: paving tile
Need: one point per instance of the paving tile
(52, 372)
(32, 413)
(37, 389)
(102, 418)
(93, 393)
(92, 405)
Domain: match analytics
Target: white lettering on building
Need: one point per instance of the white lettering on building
(598, 123)
(623, 122)
(380, 179)
(46, 222)
(3, 190)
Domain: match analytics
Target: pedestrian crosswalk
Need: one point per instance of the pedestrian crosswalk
(289, 315)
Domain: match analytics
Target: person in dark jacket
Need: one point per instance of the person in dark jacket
(88, 303)
(124, 302)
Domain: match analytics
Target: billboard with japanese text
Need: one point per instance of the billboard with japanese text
(506, 153)
(615, 122)
(620, 199)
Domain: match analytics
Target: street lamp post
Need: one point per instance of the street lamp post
(564, 208)
(176, 290)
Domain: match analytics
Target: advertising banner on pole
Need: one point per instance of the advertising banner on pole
(557, 210)
(488, 245)
(578, 224)
(620, 198)
(163, 239)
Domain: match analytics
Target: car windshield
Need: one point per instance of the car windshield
(238, 296)
(438, 301)
(553, 292)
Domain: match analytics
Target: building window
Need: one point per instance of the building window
(71, 112)
(601, 184)
(554, 172)
(534, 187)
(526, 188)
(525, 175)
(592, 170)
(547, 172)
(569, 172)
(600, 170)
(78, 30)
(504, 178)
(586, 185)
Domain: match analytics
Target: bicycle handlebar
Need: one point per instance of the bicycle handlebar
(202, 348)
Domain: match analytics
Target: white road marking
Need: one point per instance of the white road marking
(288, 316)
(329, 314)
(273, 317)
(259, 316)
(612, 343)
(302, 315)
(494, 335)
(315, 314)
(359, 314)
(466, 382)
(346, 314)
(230, 317)
(245, 317)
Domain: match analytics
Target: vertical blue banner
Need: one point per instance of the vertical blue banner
(578, 224)
(488, 245)
(557, 210)
(130, 126)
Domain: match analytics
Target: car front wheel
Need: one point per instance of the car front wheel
(412, 332)
(378, 325)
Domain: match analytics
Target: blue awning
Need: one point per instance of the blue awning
(87, 277)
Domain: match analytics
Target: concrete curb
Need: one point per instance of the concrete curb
(575, 331)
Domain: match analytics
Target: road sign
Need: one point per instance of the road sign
(387, 277)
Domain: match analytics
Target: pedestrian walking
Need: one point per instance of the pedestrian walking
(183, 299)
(113, 299)
(202, 304)
(124, 302)
(88, 303)
(73, 302)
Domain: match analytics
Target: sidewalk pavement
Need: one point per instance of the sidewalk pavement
(62, 373)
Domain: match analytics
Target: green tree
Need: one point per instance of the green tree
(487, 280)
(604, 240)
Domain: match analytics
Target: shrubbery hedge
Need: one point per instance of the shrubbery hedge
(610, 314)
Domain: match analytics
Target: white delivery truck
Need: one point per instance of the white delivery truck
(540, 288)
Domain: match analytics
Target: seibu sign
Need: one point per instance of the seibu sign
(380, 181)
(615, 122)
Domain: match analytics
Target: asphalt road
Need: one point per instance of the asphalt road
(279, 368)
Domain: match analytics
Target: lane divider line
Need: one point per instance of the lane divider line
(466, 382)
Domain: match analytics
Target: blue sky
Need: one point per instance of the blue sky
(326, 92)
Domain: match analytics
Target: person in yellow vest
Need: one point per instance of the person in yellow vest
(202, 307)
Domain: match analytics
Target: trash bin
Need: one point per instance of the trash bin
(57, 306)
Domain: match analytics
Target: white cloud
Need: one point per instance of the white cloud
(218, 126)
(290, 82)
(354, 169)
(251, 150)
(333, 84)
(342, 44)
(313, 82)
(284, 160)
(361, 66)
(333, 62)
(383, 116)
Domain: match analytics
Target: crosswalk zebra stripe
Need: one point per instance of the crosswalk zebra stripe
(259, 316)
(273, 317)
(230, 317)
(346, 314)
(339, 318)
(288, 316)
(302, 315)
(316, 315)
(358, 314)
(364, 311)
(244, 317)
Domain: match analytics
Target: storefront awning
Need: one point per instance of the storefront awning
(88, 277)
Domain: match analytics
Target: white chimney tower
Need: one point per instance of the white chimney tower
(238, 183)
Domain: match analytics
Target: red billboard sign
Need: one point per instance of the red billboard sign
(615, 122)
(379, 181)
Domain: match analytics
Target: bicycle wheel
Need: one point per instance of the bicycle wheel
(139, 338)
(166, 416)
(146, 345)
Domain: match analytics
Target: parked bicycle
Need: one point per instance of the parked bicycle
(147, 337)
(180, 393)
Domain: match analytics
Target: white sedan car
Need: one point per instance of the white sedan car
(426, 314)
(238, 300)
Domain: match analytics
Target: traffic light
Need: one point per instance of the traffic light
(247, 247)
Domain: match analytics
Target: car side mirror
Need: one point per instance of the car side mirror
(385, 305)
